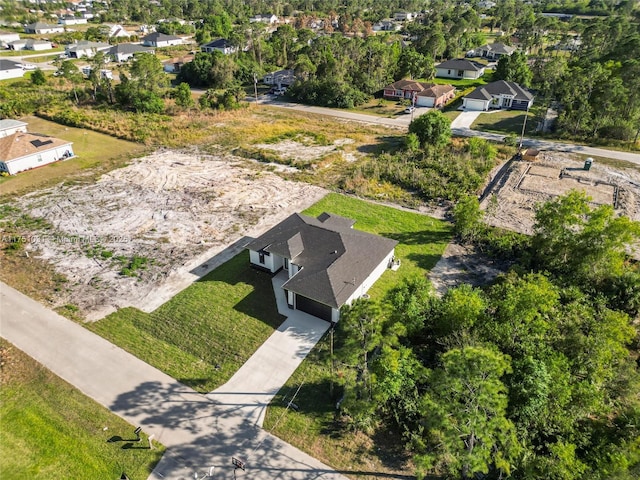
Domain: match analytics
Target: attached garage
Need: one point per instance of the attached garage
(475, 105)
(314, 308)
(422, 101)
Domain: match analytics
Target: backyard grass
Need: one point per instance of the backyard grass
(206, 332)
(48, 429)
(312, 428)
(91, 148)
(505, 121)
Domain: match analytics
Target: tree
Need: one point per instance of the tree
(38, 78)
(182, 95)
(514, 68)
(146, 70)
(468, 218)
(432, 128)
(413, 64)
(72, 74)
(466, 431)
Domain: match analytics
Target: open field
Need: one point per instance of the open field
(312, 428)
(49, 429)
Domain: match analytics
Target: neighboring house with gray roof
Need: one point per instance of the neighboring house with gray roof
(85, 48)
(497, 95)
(10, 69)
(7, 37)
(9, 127)
(460, 68)
(125, 51)
(43, 28)
(160, 40)
(495, 51)
(328, 263)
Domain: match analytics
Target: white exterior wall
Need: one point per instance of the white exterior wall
(11, 73)
(470, 74)
(272, 262)
(41, 46)
(7, 38)
(37, 160)
(371, 279)
(10, 131)
(169, 43)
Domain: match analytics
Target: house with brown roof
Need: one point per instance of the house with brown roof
(20, 150)
(326, 262)
(420, 93)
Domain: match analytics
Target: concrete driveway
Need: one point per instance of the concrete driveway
(198, 430)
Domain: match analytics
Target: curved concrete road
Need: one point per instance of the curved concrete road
(198, 430)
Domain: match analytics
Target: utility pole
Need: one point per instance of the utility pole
(255, 87)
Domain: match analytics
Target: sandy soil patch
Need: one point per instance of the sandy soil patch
(461, 264)
(172, 210)
(511, 198)
(294, 150)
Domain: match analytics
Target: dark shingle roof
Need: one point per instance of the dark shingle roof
(501, 87)
(500, 48)
(462, 64)
(125, 48)
(219, 43)
(159, 37)
(334, 258)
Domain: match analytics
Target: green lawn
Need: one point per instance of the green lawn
(312, 428)
(206, 332)
(48, 429)
(91, 149)
(505, 121)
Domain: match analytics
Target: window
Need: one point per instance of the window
(39, 158)
(261, 255)
(286, 264)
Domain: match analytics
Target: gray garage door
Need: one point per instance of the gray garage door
(313, 308)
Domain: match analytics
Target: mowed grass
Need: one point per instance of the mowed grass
(48, 429)
(312, 428)
(505, 121)
(422, 238)
(91, 148)
(206, 332)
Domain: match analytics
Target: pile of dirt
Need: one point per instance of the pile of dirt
(301, 152)
(121, 238)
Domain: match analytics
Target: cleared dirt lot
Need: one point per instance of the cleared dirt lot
(141, 233)
(521, 185)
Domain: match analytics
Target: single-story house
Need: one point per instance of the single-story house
(22, 151)
(173, 65)
(268, 18)
(85, 48)
(220, 45)
(10, 69)
(118, 31)
(37, 45)
(424, 94)
(125, 51)
(404, 16)
(43, 28)
(160, 40)
(495, 51)
(7, 37)
(500, 94)
(460, 68)
(72, 20)
(281, 78)
(9, 127)
(387, 25)
(328, 264)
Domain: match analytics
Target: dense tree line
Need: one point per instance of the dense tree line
(535, 376)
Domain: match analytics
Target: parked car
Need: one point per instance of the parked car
(409, 109)
(278, 91)
(28, 66)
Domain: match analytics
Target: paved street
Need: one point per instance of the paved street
(198, 430)
(460, 126)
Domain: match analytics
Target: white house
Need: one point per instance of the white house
(7, 37)
(37, 45)
(125, 51)
(460, 68)
(404, 16)
(160, 40)
(281, 78)
(498, 95)
(10, 69)
(9, 127)
(118, 31)
(22, 151)
(43, 28)
(72, 20)
(268, 18)
(326, 262)
(221, 45)
(495, 50)
(85, 48)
